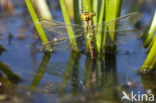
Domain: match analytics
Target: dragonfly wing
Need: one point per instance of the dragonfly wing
(58, 35)
(64, 44)
(56, 68)
(120, 27)
(122, 23)
(122, 37)
(126, 35)
(59, 29)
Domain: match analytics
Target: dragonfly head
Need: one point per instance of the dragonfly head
(86, 16)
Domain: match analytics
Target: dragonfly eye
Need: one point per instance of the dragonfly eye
(87, 16)
(84, 17)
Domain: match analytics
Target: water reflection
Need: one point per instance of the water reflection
(79, 79)
(148, 81)
(9, 92)
(40, 72)
(99, 82)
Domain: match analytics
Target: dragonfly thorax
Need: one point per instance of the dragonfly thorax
(86, 16)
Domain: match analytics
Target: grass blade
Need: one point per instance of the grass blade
(37, 25)
(101, 19)
(148, 34)
(67, 21)
(87, 5)
(77, 19)
(110, 9)
(150, 61)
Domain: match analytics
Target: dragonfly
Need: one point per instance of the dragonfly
(57, 31)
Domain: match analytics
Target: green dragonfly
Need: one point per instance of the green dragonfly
(57, 31)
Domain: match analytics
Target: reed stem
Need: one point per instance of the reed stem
(37, 25)
(148, 34)
(150, 41)
(42, 9)
(67, 22)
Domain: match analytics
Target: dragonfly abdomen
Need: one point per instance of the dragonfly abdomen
(91, 46)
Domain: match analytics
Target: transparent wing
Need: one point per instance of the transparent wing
(49, 88)
(125, 35)
(121, 37)
(64, 44)
(122, 23)
(59, 28)
(121, 28)
(56, 68)
(58, 35)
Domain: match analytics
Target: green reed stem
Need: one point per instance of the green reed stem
(67, 22)
(80, 6)
(113, 10)
(77, 19)
(148, 34)
(150, 41)
(87, 7)
(37, 25)
(150, 61)
(10, 75)
(110, 9)
(99, 33)
(96, 9)
(42, 9)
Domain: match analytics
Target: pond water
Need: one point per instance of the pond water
(30, 76)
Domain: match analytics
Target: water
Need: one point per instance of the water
(69, 77)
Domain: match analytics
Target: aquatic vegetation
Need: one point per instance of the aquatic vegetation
(149, 32)
(42, 9)
(105, 31)
(38, 26)
(88, 31)
(67, 21)
(40, 72)
(70, 76)
(14, 78)
(2, 49)
(150, 41)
